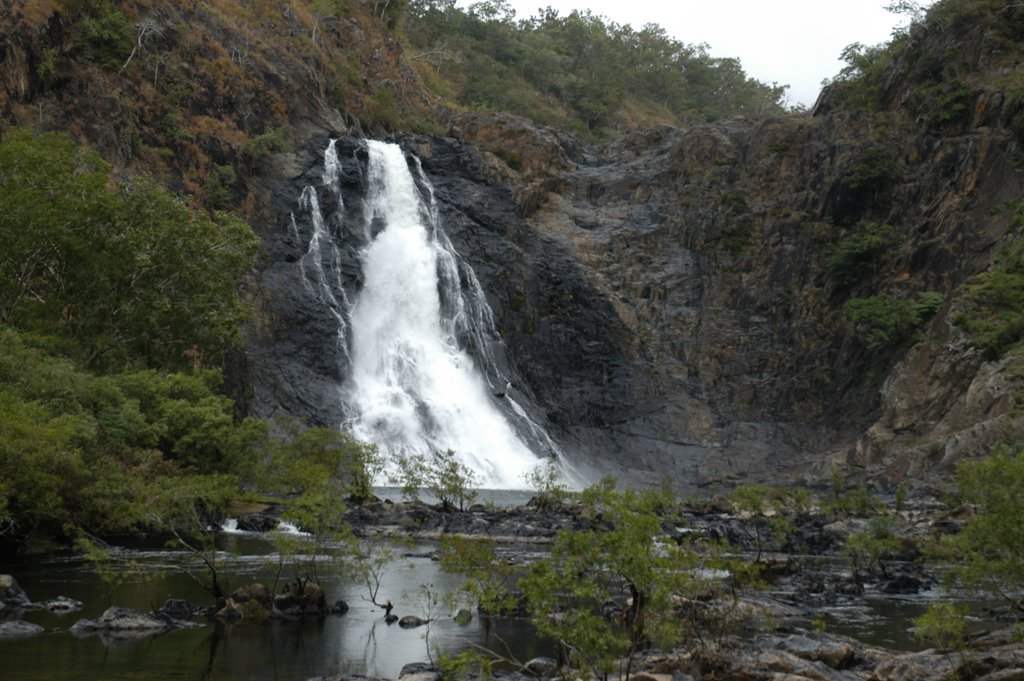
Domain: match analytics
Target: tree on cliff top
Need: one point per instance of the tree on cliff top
(580, 70)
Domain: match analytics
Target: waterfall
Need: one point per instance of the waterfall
(418, 345)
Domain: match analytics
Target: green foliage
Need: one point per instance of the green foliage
(490, 580)
(858, 84)
(443, 475)
(260, 147)
(857, 502)
(567, 591)
(993, 302)
(320, 462)
(988, 553)
(112, 571)
(942, 626)
(858, 256)
(95, 452)
(188, 507)
(580, 71)
(218, 190)
(884, 318)
(104, 33)
(383, 107)
(875, 170)
(132, 276)
(548, 490)
(868, 549)
(770, 510)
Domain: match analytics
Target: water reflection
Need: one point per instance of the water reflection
(357, 643)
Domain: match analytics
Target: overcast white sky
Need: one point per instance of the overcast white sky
(795, 42)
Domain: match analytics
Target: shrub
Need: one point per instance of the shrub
(858, 256)
(942, 626)
(443, 475)
(548, 490)
(988, 553)
(884, 318)
(105, 35)
(993, 302)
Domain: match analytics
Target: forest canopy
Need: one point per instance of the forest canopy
(580, 70)
(113, 295)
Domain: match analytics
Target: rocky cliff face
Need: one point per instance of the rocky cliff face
(666, 300)
(669, 301)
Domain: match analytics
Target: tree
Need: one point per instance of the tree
(317, 469)
(988, 553)
(769, 510)
(132, 275)
(545, 480)
(567, 592)
(443, 475)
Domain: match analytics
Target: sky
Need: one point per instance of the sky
(794, 42)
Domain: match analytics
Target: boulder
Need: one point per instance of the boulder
(178, 608)
(61, 605)
(19, 629)
(411, 622)
(253, 592)
(904, 584)
(541, 667)
(418, 671)
(118, 622)
(257, 522)
(12, 595)
(831, 651)
(299, 598)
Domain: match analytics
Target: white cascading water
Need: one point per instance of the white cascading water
(312, 262)
(412, 389)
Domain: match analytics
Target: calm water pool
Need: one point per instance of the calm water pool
(358, 642)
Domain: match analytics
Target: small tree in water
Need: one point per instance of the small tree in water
(623, 551)
(452, 482)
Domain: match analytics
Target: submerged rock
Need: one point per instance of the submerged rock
(257, 522)
(298, 599)
(541, 667)
(61, 605)
(19, 629)
(411, 622)
(419, 671)
(122, 623)
(12, 595)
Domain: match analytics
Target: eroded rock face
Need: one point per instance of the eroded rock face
(666, 302)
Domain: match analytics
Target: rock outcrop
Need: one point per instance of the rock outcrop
(667, 304)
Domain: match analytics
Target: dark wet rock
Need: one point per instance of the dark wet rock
(12, 595)
(230, 612)
(19, 629)
(411, 622)
(834, 652)
(904, 584)
(118, 622)
(253, 592)
(419, 671)
(390, 619)
(340, 607)
(61, 605)
(257, 522)
(179, 608)
(299, 599)
(541, 667)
